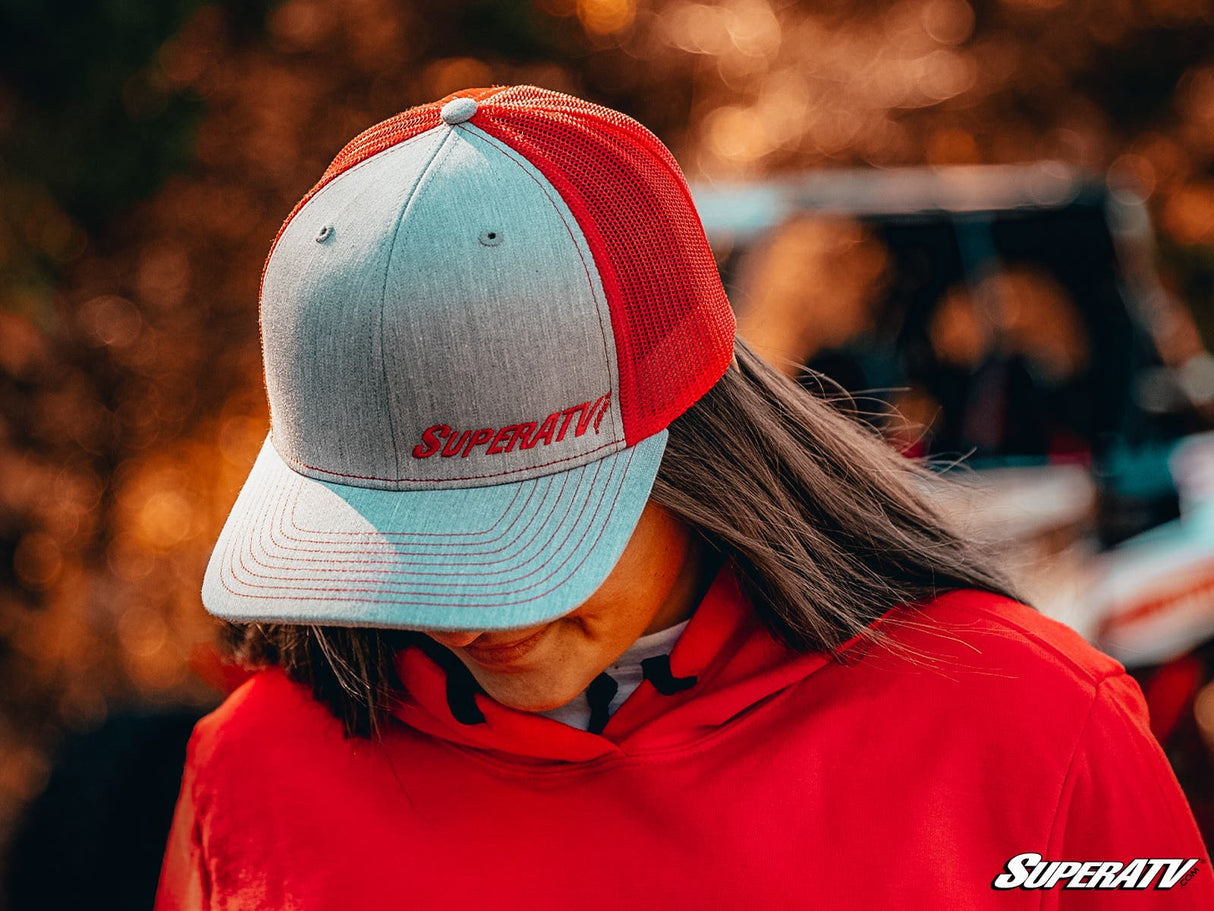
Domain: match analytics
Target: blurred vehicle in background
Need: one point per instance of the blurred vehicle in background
(1011, 318)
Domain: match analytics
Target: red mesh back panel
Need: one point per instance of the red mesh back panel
(672, 323)
(673, 326)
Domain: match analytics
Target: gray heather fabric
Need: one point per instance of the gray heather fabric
(446, 445)
(300, 550)
(442, 283)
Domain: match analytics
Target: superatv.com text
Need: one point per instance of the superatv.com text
(1031, 871)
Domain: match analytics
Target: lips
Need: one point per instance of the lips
(506, 653)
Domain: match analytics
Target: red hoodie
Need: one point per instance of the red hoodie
(906, 778)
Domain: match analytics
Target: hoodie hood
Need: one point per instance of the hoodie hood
(725, 663)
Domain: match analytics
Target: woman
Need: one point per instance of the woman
(567, 605)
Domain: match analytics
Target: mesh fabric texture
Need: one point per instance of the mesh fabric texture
(671, 321)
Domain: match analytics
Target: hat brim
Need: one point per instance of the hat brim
(299, 550)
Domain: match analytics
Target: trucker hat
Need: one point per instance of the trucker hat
(476, 329)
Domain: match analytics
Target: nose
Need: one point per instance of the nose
(455, 639)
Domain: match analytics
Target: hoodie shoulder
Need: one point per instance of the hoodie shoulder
(991, 661)
(268, 722)
(1004, 629)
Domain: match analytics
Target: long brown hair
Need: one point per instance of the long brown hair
(827, 526)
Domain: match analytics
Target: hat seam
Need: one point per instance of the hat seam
(318, 190)
(477, 477)
(514, 156)
(443, 146)
(322, 188)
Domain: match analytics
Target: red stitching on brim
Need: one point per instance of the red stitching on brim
(422, 534)
(298, 596)
(459, 571)
(534, 515)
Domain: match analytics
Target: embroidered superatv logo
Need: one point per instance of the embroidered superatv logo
(1030, 871)
(553, 429)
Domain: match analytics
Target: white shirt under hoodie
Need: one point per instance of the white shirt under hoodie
(625, 671)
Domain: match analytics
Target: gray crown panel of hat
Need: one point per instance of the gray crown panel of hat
(433, 316)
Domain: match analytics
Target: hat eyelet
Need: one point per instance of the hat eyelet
(490, 238)
(324, 234)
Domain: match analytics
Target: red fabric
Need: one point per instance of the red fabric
(671, 322)
(899, 778)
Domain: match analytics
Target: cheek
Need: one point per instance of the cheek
(632, 597)
(613, 621)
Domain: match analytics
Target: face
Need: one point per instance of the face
(654, 585)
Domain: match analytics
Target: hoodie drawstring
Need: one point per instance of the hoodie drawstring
(461, 685)
(462, 688)
(599, 694)
(657, 671)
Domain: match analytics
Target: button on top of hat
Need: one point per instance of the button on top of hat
(458, 110)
